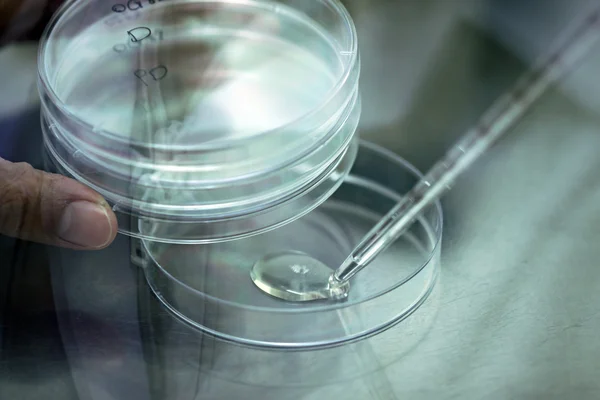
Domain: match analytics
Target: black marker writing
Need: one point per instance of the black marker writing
(131, 5)
(122, 9)
(134, 5)
(140, 74)
(119, 48)
(140, 33)
(133, 45)
(156, 73)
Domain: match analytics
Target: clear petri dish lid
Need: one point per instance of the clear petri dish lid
(199, 96)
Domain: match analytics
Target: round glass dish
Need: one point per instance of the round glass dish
(209, 285)
(233, 116)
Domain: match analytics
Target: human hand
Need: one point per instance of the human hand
(36, 205)
(52, 209)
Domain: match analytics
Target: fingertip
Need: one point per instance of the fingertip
(53, 209)
(112, 220)
(97, 227)
(87, 225)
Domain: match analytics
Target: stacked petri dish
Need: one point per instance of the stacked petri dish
(234, 115)
(224, 130)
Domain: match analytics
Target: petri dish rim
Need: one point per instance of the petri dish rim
(315, 345)
(297, 193)
(350, 65)
(437, 230)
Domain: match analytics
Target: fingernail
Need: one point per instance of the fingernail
(85, 224)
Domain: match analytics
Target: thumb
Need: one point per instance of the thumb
(52, 209)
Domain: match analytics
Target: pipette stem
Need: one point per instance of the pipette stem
(498, 120)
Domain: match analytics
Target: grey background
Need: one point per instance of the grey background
(516, 312)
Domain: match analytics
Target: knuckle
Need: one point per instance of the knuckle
(20, 186)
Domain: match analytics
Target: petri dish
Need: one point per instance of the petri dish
(224, 130)
(202, 120)
(208, 286)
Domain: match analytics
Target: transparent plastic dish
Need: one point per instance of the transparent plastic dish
(236, 116)
(209, 287)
